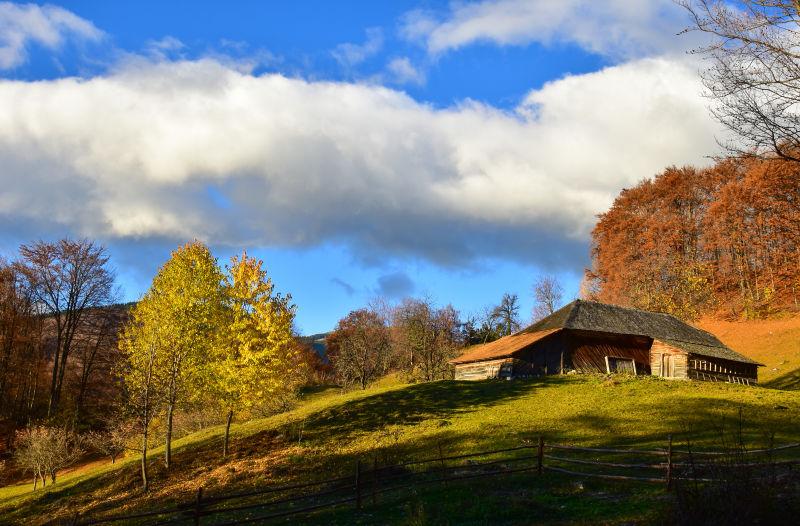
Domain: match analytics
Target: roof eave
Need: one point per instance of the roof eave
(476, 360)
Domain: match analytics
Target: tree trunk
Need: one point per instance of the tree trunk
(85, 373)
(51, 405)
(79, 401)
(168, 441)
(35, 481)
(53, 476)
(227, 434)
(61, 371)
(144, 457)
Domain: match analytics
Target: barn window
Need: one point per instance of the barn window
(615, 364)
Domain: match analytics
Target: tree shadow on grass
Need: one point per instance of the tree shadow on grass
(406, 406)
(706, 423)
(787, 382)
(416, 403)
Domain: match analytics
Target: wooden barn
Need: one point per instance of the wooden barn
(587, 336)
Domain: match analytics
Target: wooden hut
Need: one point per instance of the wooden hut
(587, 336)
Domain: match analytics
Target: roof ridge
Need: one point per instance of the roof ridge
(573, 312)
(695, 343)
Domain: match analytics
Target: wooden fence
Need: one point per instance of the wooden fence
(659, 466)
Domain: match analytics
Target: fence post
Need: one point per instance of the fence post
(358, 484)
(669, 464)
(374, 477)
(540, 455)
(198, 505)
(441, 462)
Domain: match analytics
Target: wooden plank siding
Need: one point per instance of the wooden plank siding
(662, 354)
(547, 355)
(482, 370)
(589, 351)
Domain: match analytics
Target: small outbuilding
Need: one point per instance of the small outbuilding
(587, 336)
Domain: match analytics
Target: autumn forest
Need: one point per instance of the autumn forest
(723, 240)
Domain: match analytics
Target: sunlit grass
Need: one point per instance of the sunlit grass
(328, 430)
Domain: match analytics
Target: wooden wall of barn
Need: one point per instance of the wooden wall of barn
(589, 350)
(662, 355)
(547, 355)
(501, 368)
(585, 351)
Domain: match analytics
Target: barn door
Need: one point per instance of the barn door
(668, 365)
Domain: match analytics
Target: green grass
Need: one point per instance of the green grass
(324, 435)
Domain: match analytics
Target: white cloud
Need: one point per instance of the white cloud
(353, 54)
(403, 72)
(617, 28)
(132, 154)
(165, 47)
(48, 26)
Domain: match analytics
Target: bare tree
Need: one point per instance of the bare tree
(360, 348)
(114, 440)
(754, 77)
(95, 349)
(66, 277)
(506, 314)
(46, 450)
(426, 338)
(547, 294)
(20, 342)
(28, 454)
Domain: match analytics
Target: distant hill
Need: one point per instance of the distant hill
(317, 342)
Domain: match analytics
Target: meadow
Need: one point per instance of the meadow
(329, 429)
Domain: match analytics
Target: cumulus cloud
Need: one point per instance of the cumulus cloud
(404, 72)
(48, 26)
(350, 55)
(617, 28)
(149, 151)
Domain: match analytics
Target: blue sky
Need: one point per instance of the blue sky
(449, 150)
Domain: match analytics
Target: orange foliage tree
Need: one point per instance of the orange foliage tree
(724, 239)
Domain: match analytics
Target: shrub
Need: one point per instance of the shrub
(44, 451)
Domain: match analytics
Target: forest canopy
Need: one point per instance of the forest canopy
(723, 240)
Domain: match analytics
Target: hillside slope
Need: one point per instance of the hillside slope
(775, 343)
(325, 434)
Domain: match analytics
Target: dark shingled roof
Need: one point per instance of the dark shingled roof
(601, 317)
(505, 347)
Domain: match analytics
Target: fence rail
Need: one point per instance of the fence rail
(274, 502)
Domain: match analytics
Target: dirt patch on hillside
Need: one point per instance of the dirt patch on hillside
(254, 461)
(775, 343)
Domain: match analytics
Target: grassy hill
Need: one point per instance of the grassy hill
(775, 343)
(324, 435)
(329, 429)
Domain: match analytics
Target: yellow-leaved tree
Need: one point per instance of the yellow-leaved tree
(257, 361)
(178, 320)
(144, 372)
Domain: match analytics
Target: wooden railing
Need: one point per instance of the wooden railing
(660, 466)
